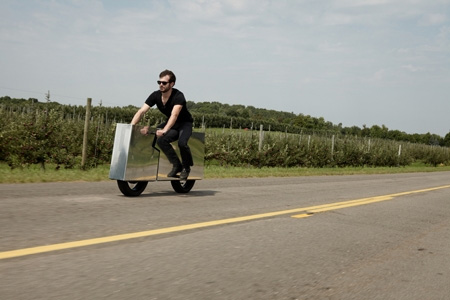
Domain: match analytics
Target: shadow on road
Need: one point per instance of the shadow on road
(191, 194)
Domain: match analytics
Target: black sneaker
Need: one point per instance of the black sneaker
(184, 174)
(175, 170)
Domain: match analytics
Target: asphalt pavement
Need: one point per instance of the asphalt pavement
(321, 237)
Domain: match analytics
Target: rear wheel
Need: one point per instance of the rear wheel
(182, 186)
(132, 188)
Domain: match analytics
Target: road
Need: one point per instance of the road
(325, 237)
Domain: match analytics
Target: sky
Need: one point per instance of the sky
(354, 62)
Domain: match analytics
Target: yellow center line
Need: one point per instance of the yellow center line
(305, 212)
(349, 204)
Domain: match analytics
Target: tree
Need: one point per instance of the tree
(446, 140)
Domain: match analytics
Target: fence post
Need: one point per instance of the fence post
(261, 137)
(332, 146)
(399, 153)
(86, 129)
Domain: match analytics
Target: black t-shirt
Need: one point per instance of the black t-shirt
(176, 98)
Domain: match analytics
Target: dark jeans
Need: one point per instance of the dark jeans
(181, 132)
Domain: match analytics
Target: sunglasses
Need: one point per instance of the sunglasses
(162, 82)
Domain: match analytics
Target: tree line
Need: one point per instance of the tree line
(218, 115)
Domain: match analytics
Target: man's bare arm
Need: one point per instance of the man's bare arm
(173, 118)
(140, 113)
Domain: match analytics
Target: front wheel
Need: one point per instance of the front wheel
(182, 186)
(132, 189)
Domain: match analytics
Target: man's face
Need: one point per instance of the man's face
(165, 85)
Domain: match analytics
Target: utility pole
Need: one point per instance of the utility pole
(47, 96)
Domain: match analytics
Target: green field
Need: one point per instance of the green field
(35, 174)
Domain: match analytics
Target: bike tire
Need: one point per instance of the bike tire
(182, 186)
(132, 189)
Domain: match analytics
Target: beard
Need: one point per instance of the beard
(164, 89)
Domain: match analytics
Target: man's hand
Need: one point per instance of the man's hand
(160, 132)
(144, 130)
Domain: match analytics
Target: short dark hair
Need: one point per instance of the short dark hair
(170, 73)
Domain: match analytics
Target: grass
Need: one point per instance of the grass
(238, 172)
(34, 173)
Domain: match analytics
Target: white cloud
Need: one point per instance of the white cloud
(411, 68)
(379, 75)
(433, 19)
